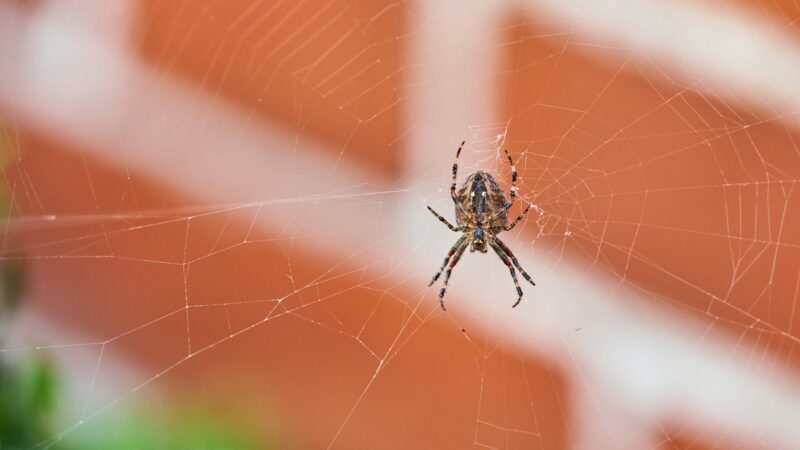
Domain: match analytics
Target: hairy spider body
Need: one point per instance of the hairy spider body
(481, 214)
(480, 194)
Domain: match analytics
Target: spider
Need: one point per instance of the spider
(481, 214)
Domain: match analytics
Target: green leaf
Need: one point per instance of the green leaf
(27, 399)
(40, 386)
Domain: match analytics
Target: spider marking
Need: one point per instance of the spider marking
(481, 218)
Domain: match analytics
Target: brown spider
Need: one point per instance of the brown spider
(481, 214)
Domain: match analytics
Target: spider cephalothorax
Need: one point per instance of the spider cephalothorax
(481, 214)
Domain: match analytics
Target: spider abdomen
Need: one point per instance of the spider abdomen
(482, 200)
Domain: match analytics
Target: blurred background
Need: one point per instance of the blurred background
(215, 233)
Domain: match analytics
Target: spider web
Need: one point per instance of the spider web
(225, 202)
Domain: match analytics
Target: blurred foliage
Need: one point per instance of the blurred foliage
(30, 390)
(188, 431)
(27, 400)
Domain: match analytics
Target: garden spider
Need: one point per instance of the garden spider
(481, 214)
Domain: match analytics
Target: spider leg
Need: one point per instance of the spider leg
(453, 184)
(459, 243)
(519, 217)
(508, 253)
(513, 180)
(453, 263)
(455, 171)
(507, 262)
(443, 220)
